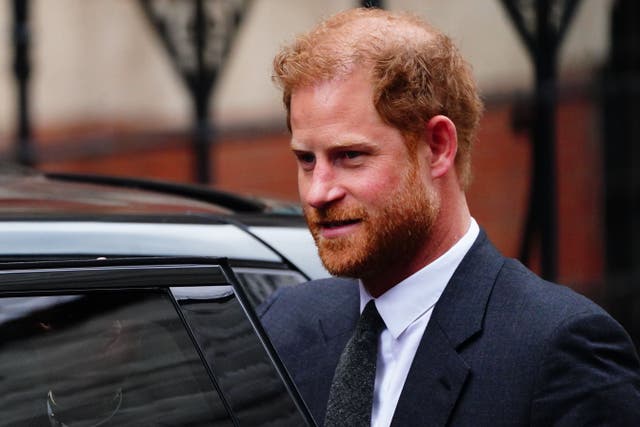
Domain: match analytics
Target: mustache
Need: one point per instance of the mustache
(333, 214)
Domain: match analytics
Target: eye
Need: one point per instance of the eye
(306, 160)
(351, 157)
(352, 154)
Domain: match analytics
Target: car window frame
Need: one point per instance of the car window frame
(140, 273)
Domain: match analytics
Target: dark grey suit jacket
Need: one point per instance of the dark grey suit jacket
(502, 348)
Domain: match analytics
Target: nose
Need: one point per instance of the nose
(322, 187)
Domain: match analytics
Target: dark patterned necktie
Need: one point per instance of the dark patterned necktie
(351, 394)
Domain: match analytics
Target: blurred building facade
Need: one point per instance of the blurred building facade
(106, 99)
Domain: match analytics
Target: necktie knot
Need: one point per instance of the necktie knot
(370, 323)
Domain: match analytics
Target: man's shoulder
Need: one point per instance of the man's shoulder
(582, 358)
(541, 298)
(518, 298)
(309, 299)
(511, 291)
(544, 317)
(293, 316)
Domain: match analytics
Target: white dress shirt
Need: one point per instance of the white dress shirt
(406, 309)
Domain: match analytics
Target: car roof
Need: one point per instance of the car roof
(30, 192)
(68, 215)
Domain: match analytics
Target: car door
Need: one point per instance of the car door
(145, 341)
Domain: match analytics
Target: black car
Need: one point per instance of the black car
(131, 303)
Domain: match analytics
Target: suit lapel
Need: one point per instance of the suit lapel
(320, 359)
(438, 373)
(433, 385)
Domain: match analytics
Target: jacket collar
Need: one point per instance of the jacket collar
(438, 373)
(460, 310)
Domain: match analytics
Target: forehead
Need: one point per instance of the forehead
(356, 83)
(341, 100)
(340, 113)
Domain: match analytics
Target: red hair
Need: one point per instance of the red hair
(416, 72)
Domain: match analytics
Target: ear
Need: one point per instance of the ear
(442, 138)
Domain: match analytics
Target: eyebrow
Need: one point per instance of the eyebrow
(295, 147)
(340, 145)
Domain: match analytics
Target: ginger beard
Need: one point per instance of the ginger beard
(389, 234)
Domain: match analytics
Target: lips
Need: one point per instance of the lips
(336, 228)
(337, 224)
(334, 222)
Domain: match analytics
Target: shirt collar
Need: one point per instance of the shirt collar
(414, 296)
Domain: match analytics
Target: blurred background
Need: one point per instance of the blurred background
(181, 90)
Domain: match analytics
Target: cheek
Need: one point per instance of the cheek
(379, 187)
(303, 184)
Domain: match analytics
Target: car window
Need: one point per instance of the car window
(245, 373)
(260, 283)
(102, 358)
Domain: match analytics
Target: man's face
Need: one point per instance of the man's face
(366, 197)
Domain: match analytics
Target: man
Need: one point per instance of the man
(383, 112)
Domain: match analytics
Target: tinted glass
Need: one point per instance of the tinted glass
(102, 358)
(245, 373)
(260, 283)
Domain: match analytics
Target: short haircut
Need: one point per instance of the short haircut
(416, 71)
